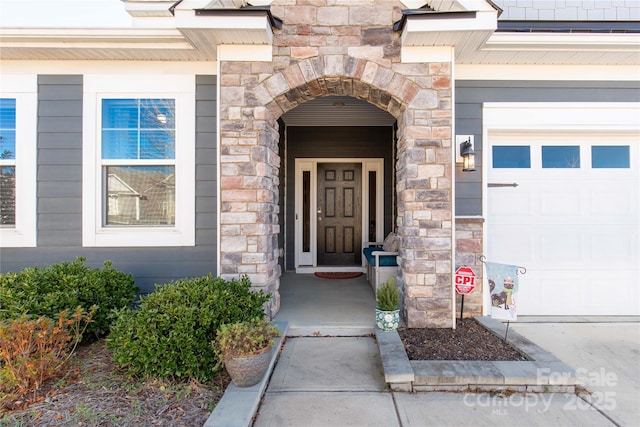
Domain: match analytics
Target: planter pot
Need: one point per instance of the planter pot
(246, 371)
(387, 320)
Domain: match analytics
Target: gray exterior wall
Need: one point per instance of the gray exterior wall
(471, 94)
(59, 193)
(336, 142)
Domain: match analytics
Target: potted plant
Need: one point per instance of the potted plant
(388, 305)
(245, 349)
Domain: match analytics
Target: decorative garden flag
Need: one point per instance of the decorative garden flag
(503, 286)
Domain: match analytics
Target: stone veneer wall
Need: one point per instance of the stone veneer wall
(468, 252)
(335, 47)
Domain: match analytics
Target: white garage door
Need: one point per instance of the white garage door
(572, 221)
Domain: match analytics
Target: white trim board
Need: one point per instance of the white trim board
(306, 262)
(182, 89)
(24, 89)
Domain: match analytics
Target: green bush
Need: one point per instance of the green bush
(169, 335)
(46, 291)
(388, 295)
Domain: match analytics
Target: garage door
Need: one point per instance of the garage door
(572, 220)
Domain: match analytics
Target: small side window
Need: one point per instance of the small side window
(561, 156)
(7, 162)
(610, 156)
(511, 156)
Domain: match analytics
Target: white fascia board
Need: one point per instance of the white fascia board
(563, 41)
(146, 8)
(416, 54)
(482, 5)
(189, 19)
(622, 116)
(88, 67)
(547, 72)
(249, 28)
(443, 5)
(140, 38)
(483, 21)
(245, 52)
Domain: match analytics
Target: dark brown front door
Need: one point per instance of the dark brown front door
(339, 213)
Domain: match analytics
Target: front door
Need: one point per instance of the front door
(339, 213)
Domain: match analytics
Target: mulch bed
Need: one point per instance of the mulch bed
(93, 393)
(469, 341)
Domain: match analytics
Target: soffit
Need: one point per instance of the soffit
(96, 44)
(337, 111)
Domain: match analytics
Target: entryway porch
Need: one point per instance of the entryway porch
(316, 307)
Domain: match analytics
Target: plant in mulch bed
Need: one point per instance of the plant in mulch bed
(169, 335)
(46, 291)
(469, 341)
(33, 351)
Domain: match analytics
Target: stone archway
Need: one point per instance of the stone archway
(253, 95)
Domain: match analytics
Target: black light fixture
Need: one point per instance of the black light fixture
(468, 156)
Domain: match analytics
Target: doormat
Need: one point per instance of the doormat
(338, 275)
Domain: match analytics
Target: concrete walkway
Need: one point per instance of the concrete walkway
(330, 372)
(338, 381)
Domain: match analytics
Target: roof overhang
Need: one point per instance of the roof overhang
(479, 38)
(467, 31)
(206, 29)
(96, 44)
(183, 31)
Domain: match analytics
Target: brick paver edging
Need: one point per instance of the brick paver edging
(543, 372)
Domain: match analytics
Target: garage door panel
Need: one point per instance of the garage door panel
(614, 245)
(576, 230)
(606, 296)
(508, 204)
(610, 201)
(559, 247)
(544, 293)
(560, 203)
(510, 246)
(568, 293)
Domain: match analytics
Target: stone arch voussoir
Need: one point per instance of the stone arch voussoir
(337, 75)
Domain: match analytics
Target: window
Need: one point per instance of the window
(138, 158)
(139, 161)
(7, 162)
(561, 156)
(610, 156)
(18, 130)
(511, 156)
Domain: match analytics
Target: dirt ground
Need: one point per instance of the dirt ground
(469, 341)
(94, 394)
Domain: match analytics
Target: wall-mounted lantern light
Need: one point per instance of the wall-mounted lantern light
(466, 154)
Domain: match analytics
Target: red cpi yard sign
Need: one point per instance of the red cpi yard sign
(465, 280)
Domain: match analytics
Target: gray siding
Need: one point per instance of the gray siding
(470, 94)
(336, 142)
(59, 192)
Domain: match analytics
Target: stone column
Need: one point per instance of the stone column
(249, 164)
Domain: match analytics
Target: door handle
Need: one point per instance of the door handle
(494, 184)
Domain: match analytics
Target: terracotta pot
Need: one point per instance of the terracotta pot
(246, 371)
(387, 320)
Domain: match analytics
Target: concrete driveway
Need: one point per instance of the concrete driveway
(605, 355)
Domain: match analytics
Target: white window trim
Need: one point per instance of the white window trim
(182, 89)
(24, 88)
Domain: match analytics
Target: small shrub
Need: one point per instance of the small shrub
(244, 338)
(169, 334)
(388, 295)
(46, 291)
(33, 351)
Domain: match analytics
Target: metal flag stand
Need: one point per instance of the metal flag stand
(519, 271)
